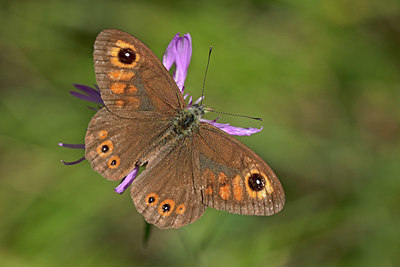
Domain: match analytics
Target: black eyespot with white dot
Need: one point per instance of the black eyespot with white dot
(256, 182)
(151, 200)
(105, 148)
(166, 208)
(126, 56)
(113, 162)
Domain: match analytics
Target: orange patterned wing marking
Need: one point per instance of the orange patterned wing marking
(152, 199)
(105, 149)
(124, 55)
(103, 134)
(118, 88)
(257, 184)
(180, 209)
(114, 162)
(131, 89)
(237, 188)
(224, 189)
(166, 207)
(224, 192)
(209, 190)
(121, 75)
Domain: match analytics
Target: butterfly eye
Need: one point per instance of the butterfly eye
(256, 182)
(126, 56)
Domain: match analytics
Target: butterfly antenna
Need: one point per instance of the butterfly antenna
(205, 75)
(236, 115)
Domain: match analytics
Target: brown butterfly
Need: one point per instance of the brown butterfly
(190, 165)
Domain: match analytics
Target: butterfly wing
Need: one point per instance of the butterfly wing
(165, 191)
(131, 79)
(111, 138)
(140, 98)
(234, 178)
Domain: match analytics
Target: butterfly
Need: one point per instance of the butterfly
(190, 164)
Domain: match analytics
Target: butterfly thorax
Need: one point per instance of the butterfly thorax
(188, 119)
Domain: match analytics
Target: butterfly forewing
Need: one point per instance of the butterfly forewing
(233, 177)
(131, 79)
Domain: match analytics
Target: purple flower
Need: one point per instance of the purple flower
(178, 52)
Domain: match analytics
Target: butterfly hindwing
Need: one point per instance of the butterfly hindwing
(113, 145)
(233, 177)
(165, 193)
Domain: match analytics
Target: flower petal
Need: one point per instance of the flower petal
(90, 94)
(184, 54)
(232, 130)
(73, 162)
(73, 146)
(170, 53)
(126, 182)
(179, 51)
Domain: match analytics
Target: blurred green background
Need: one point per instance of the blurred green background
(324, 75)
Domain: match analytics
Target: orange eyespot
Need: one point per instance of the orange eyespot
(151, 199)
(103, 134)
(114, 162)
(180, 209)
(124, 55)
(166, 207)
(257, 184)
(105, 148)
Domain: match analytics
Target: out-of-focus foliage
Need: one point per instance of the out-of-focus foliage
(324, 75)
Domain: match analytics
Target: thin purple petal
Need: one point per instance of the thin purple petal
(73, 162)
(179, 51)
(199, 99)
(87, 89)
(73, 146)
(170, 53)
(184, 54)
(190, 102)
(90, 94)
(232, 130)
(127, 181)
